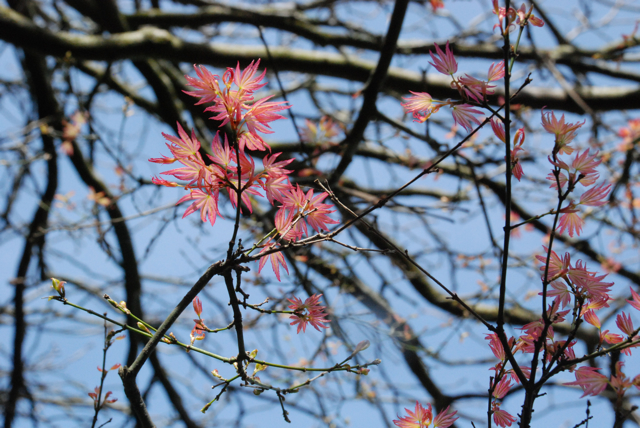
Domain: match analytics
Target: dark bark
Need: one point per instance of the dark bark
(47, 111)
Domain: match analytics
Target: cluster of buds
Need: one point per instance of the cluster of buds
(71, 130)
(522, 17)
(230, 169)
(58, 286)
(122, 306)
(199, 329)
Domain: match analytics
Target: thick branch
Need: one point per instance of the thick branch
(47, 109)
(152, 42)
(370, 93)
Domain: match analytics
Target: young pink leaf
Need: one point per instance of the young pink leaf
(591, 382)
(444, 62)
